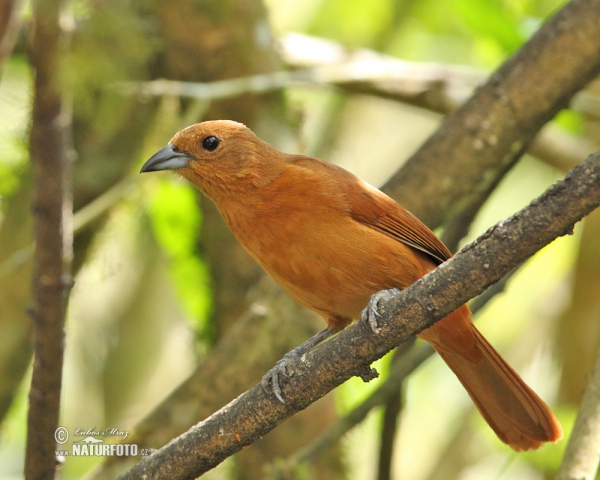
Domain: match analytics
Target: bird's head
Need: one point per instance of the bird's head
(218, 156)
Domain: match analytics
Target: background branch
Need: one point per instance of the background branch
(52, 209)
(389, 422)
(583, 450)
(10, 24)
(464, 276)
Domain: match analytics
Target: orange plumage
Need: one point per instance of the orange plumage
(331, 241)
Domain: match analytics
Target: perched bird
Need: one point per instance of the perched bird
(332, 241)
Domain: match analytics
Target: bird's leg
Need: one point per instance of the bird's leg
(280, 367)
(371, 311)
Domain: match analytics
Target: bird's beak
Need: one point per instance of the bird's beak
(166, 159)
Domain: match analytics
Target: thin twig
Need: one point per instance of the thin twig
(389, 423)
(583, 450)
(404, 75)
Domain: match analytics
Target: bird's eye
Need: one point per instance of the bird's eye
(210, 143)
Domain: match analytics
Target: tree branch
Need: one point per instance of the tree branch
(350, 353)
(234, 365)
(583, 450)
(52, 211)
(390, 421)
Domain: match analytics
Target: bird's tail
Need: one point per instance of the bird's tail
(519, 417)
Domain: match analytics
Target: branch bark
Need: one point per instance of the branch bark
(350, 353)
(52, 211)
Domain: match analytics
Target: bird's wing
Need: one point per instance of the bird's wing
(373, 208)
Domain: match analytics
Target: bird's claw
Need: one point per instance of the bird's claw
(284, 367)
(273, 375)
(372, 311)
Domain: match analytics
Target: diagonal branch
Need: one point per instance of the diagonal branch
(350, 353)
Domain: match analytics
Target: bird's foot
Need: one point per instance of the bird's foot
(372, 311)
(283, 368)
(280, 371)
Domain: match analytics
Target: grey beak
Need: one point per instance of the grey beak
(166, 159)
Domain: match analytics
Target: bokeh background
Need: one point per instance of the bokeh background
(163, 292)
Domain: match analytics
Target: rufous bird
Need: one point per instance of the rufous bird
(332, 241)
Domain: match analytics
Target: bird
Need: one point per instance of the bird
(339, 246)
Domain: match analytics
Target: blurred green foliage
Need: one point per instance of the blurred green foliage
(111, 45)
(15, 92)
(471, 32)
(176, 218)
(357, 22)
